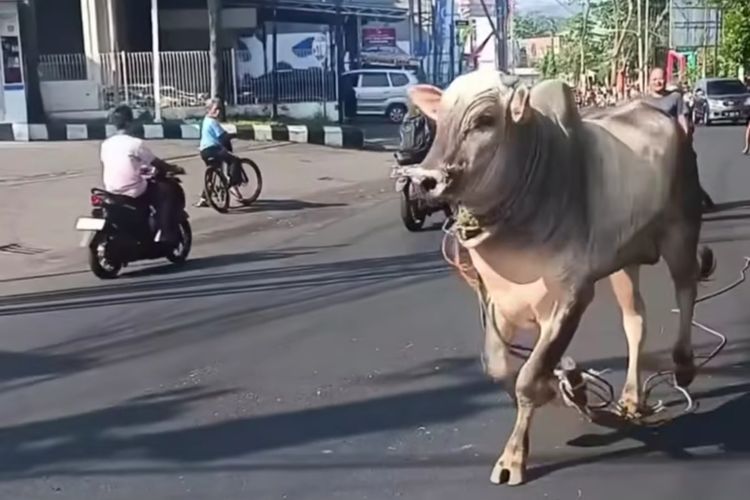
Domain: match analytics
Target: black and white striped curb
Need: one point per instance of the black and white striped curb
(334, 136)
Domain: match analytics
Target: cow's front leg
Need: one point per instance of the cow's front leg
(626, 286)
(498, 333)
(534, 383)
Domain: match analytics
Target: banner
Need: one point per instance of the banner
(375, 39)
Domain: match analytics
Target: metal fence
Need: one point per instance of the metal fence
(127, 77)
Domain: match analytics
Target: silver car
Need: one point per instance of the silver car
(721, 99)
(382, 92)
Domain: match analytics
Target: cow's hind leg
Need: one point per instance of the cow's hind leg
(679, 250)
(626, 286)
(533, 384)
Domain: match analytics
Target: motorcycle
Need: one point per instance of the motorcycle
(415, 205)
(120, 232)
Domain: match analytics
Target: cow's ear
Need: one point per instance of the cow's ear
(427, 99)
(519, 108)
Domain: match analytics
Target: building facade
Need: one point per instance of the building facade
(13, 92)
(287, 53)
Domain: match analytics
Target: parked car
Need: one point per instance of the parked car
(382, 91)
(721, 99)
(295, 85)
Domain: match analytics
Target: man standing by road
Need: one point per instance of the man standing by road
(673, 104)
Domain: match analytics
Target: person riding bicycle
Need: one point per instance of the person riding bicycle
(216, 146)
(672, 103)
(126, 166)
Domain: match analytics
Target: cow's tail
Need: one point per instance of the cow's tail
(706, 263)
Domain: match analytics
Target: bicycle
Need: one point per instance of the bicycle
(216, 185)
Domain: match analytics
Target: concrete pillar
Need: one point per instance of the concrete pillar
(99, 33)
(91, 40)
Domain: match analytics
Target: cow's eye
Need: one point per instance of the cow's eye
(484, 121)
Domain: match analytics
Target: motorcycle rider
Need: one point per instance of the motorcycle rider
(672, 103)
(417, 133)
(126, 165)
(216, 145)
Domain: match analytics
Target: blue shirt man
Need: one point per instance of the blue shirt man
(211, 132)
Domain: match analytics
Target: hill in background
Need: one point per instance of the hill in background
(547, 8)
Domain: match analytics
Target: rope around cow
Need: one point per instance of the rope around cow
(575, 384)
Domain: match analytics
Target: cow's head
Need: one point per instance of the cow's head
(475, 118)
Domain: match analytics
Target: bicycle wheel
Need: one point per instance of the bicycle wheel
(253, 180)
(216, 189)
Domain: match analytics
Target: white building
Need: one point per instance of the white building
(13, 94)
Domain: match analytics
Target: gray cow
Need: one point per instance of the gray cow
(562, 202)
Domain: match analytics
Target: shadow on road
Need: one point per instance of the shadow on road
(16, 365)
(724, 428)
(290, 205)
(304, 289)
(218, 261)
(370, 270)
(73, 443)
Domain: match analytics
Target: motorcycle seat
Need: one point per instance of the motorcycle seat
(116, 199)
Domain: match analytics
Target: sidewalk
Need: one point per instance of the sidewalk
(44, 187)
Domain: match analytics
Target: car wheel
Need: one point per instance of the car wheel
(396, 113)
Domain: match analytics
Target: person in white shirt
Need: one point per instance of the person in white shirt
(126, 165)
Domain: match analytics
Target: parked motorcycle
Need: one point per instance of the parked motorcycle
(415, 205)
(119, 232)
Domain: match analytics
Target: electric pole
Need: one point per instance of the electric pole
(214, 27)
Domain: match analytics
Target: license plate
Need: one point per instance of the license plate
(733, 114)
(86, 238)
(89, 224)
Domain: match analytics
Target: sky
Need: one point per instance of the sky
(551, 7)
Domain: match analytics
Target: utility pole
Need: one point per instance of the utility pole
(156, 55)
(214, 27)
(584, 34)
(705, 39)
(452, 42)
(639, 35)
(646, 39)
(671, 25)
(420, 36)
(411, 27)
(27, 20)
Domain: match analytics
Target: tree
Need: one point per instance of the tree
(548, 65)
(734, 48)
(534, 25)
(605, 41)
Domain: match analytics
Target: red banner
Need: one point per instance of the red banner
(376, 38)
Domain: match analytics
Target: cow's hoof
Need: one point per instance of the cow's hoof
(510, 472)
(684, 375)
(684, 371)
(631, 410)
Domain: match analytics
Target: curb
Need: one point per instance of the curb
(334, 136)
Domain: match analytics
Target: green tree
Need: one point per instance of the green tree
(534, 25)
(548, 65)
(734, 47)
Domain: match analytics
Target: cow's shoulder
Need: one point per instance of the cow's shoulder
(555, 99)
(635, 114)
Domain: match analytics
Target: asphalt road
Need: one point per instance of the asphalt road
(338, 359)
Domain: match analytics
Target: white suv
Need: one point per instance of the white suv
(382, 91)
